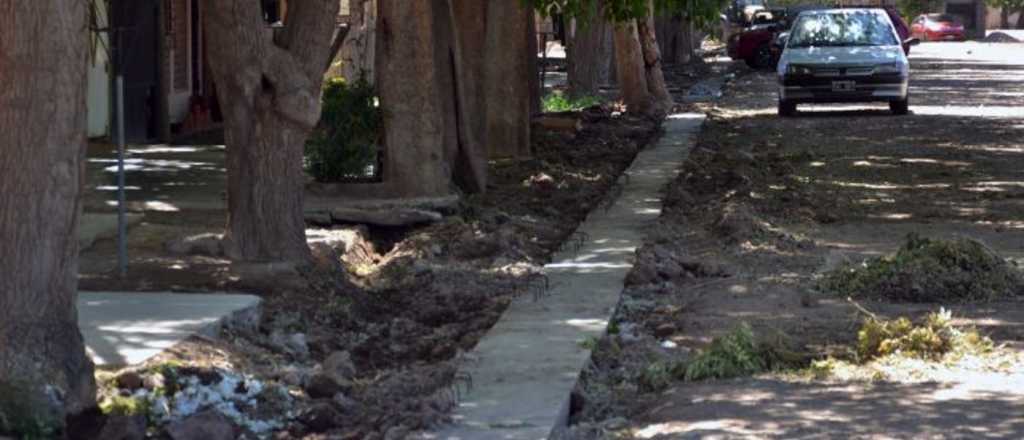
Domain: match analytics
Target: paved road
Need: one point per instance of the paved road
(950, 168)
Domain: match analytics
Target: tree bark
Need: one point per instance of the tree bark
(589, 55)
(632, 76)
(44, 371)
(532, 66)
(469, 19)
(269, 86)
(1004, 18)
(1020, 18)
(357, 51)
(415, 162)
(652, 61)
(507, 79)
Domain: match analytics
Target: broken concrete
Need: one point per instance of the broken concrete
(127, 328)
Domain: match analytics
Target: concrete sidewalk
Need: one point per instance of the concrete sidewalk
(526, 366)
(126, 328)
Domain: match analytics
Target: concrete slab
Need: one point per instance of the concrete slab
(526, 366)
(126, 328)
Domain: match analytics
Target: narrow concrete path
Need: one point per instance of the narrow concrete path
(526, 366)
(127, 328)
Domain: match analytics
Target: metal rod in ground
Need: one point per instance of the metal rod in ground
(122, 245)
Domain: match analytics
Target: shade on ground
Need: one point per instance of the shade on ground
(127, 328)
(525, 367)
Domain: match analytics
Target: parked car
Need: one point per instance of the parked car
(753, 45)
(938, 27)
(844, 55)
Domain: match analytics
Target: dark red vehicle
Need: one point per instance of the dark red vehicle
(938, 27)
(754, 45)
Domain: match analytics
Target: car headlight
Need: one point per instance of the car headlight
(798, 70)
(889, 68)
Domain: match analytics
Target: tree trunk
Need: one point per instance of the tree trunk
(531, 65)
(507, 80)
(468, 17)
(589, 53)
(269, 87)
(1004, 18)
(44, 371)
(652, 61)
(415, 162)
(1020, 18)
(632, 76)
(357, 51)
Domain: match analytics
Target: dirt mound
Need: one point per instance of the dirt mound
(929, 270)
(1000, 37)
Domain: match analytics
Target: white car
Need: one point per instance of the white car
(844, 55)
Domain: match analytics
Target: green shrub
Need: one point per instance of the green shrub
(928, 270)
(732, 355)
(344, 146)
(557, 101)
(932, 339)
(125, 406)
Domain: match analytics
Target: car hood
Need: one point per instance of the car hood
(847, 55)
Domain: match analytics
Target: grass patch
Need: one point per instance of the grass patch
(125, 406)
(558, 101)
(929, 270)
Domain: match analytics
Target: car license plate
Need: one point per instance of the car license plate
(844, 86)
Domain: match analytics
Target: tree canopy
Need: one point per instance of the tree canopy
(700, 12)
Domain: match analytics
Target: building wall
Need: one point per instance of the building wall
(979, 18)
(98, 105)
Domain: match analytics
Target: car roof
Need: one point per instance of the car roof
(825, 11)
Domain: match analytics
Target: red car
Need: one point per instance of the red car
(938, 27)
(753, 45)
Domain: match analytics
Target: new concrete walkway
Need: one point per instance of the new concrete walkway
(128, 328)
(524, 369)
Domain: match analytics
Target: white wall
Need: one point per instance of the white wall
(98, 105)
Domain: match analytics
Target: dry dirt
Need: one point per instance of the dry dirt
(402, 302)
(763, 207)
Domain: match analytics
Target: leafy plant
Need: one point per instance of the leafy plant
(932, 339)
(559, 102)
(344, 146)
(732, 355)
(125, 406)
(929, 270)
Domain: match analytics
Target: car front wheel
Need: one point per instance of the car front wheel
(900, 107)
(787, 108)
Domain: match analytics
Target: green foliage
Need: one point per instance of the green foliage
(932, 339)
(701, 12)
(733, 355)
(659, 375)
(125, 406)
(559, 102)
(27, 413)
(344, 145)
(910, 9)
(929, 270)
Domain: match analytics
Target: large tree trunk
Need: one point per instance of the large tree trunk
(1004, 18)
(269, 88)
(356, 57)
(632, 76)
(589, 55)
(675, 38)
(1020, 18)
(507, 79)
(532, 65)
(467, 63)
(652, 61)
(44, 371)
(415, 159)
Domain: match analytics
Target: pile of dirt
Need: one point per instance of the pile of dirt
(1000, 37)
(929, 270)
(400, 306)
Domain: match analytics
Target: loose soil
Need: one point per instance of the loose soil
(763, 208)
(404, 303)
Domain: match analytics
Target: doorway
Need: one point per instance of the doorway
(135, 56)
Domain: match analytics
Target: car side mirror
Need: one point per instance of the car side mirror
(782, 38)
(912, 41)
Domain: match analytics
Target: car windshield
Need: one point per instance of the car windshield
(842, 28)
(943, 18)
